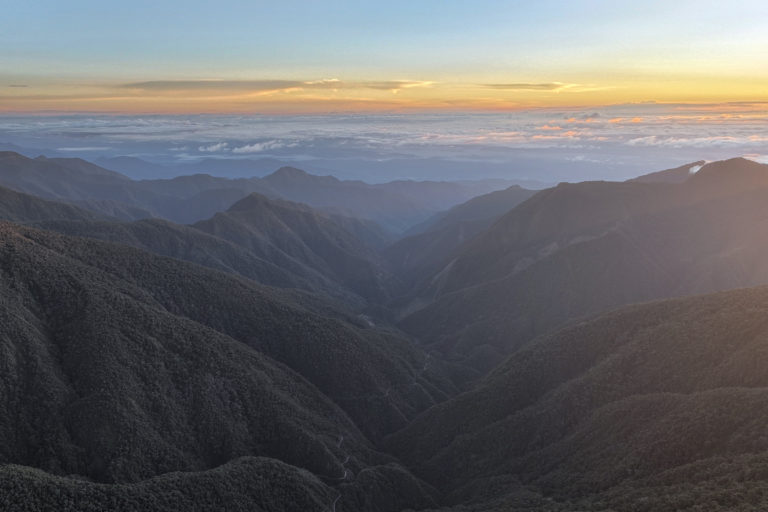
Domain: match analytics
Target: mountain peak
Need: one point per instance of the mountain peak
(290, 172)
(252, 201)
(12, 155)
(675, 175)
(734, 173)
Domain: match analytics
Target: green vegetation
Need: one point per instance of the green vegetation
(624, 412)
(246, 362)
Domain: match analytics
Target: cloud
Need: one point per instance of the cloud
(258, 147)
(546, 86)
(394, 85)
(186, 85)
(620, 120)
(87, 148)
(213, 148)
(698, 142)
(270, 85)
(521, 86)
(18, 85)
(757, 157)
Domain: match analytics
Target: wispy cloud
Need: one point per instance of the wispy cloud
(187, 85)
(84, 148)
(258, 147)
(545, 86)
(213, 148)
(523, 86)
(270, 85)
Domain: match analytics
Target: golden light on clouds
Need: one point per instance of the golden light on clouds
(335, 94)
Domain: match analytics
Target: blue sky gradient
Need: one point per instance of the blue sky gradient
(604, 51)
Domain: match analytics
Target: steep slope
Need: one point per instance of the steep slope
(698, 237)
(50, 179)
(549, 221)
(302, 240)
(190, 244)
(77, 181)
(484, 208)
(433, 242)
(120, 366)
(161, 237)
(651, 401)
(18, 207)
(84, 167)
(375, 375)
(247, 484)
(104, 191)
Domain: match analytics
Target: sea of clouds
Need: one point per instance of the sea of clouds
(545, 145)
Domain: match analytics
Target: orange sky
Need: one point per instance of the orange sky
(344, 55)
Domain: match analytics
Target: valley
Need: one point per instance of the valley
(590, 346)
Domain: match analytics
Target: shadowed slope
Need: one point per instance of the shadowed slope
(303, 240)
(663, 394)
(433, 243)
(120, 366)
(541, 265)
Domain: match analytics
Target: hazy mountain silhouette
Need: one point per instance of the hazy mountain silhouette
(579, 249)
(187, 199)
(651, 404)
(302, 240)
(676, 175)
(18, 207)
(274, 264)
(434, 241)
(395, 205)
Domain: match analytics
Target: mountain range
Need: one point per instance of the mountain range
(579, 249)
(591, 346)
(396, 206)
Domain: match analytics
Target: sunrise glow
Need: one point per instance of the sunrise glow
(260, 57)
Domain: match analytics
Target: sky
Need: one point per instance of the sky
(334, 56)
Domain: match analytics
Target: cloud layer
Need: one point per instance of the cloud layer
(612, 141)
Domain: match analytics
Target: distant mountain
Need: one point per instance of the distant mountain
(136, 168)
(51, 179)
(18, 207)
(482, 209)
(121, 366)
(84, 167)
(140, 169)
(434, 241)
(651, 407)
(187, 199)
(331, 236)
(676, 175)
(353, 198)
(579, 249)
(304, 241)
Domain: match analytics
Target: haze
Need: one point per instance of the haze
(423, 256)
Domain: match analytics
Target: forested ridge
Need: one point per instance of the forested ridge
(593, 346)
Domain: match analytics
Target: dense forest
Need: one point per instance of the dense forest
(202, 343)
